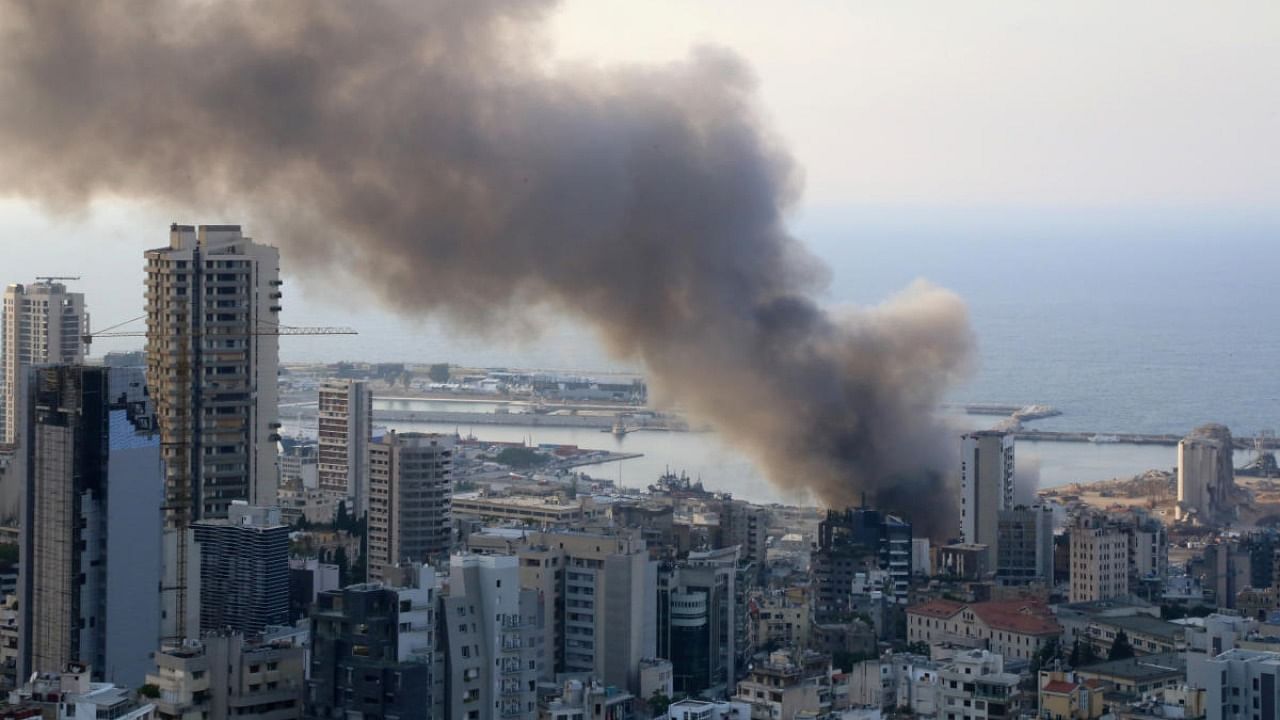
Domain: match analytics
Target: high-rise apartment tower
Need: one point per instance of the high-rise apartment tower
(986, 486)
(244, 570)
(345, 413)
(410, 495)
(212, 302)
(91, 525)
(43, 323)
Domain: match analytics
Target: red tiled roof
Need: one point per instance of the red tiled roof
(1018, 616)
(1095, 683)
(937, 608)
(1061, 687)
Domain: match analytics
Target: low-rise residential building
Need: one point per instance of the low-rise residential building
(898, 680)
(1064, 696)
(588, 701)
(974, 686)
(786, 683)
(1138, 676)
(1238, 684)
(657, 677)
(964, 561)
(690, 709)
(224, 676)
(1011, 628)
(1217, 633)
(71, 695)
(780, 618)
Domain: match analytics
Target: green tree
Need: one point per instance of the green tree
(1088, 655)
(439, 372)
(658, 703)
(1045, 655)
(1120, 648)
(149, 690)
(344, 570)
(342, 521)
(919, 647)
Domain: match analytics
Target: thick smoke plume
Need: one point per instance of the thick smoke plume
(433, 151)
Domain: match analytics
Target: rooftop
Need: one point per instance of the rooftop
(1145, 625)
(937, 608)
(1252, 656)
(1138, 669)
(1016, 616)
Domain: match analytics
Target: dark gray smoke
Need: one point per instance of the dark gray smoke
(434, 152)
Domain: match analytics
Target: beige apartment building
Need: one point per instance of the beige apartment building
(410, 500)
(43, 323)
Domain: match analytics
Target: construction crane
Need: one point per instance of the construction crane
(51, 278)
(263, 329)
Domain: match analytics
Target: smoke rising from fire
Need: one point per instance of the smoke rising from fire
(432, 151)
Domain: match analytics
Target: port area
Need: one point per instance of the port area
(605, 421)
(1019, 412)
(1240, 443)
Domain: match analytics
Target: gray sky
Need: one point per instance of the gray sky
(1081, 104)
(1143, 107)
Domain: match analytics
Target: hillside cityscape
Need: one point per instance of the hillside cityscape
(176, 550)
(616, 360)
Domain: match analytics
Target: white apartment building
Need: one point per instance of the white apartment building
(786, 685)
(345, 414)
(1238, 684)
(43, 323)
(896, 680)
(410, 490)
(974, 686)
(212, 309)
(690, 709)
(986, 485)
(1099, 559)
(223, 676)
(492, 644)
(599, 593)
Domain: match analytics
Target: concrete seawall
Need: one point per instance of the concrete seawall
(603, 422)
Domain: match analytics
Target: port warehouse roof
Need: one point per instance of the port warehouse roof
(1016, 616)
